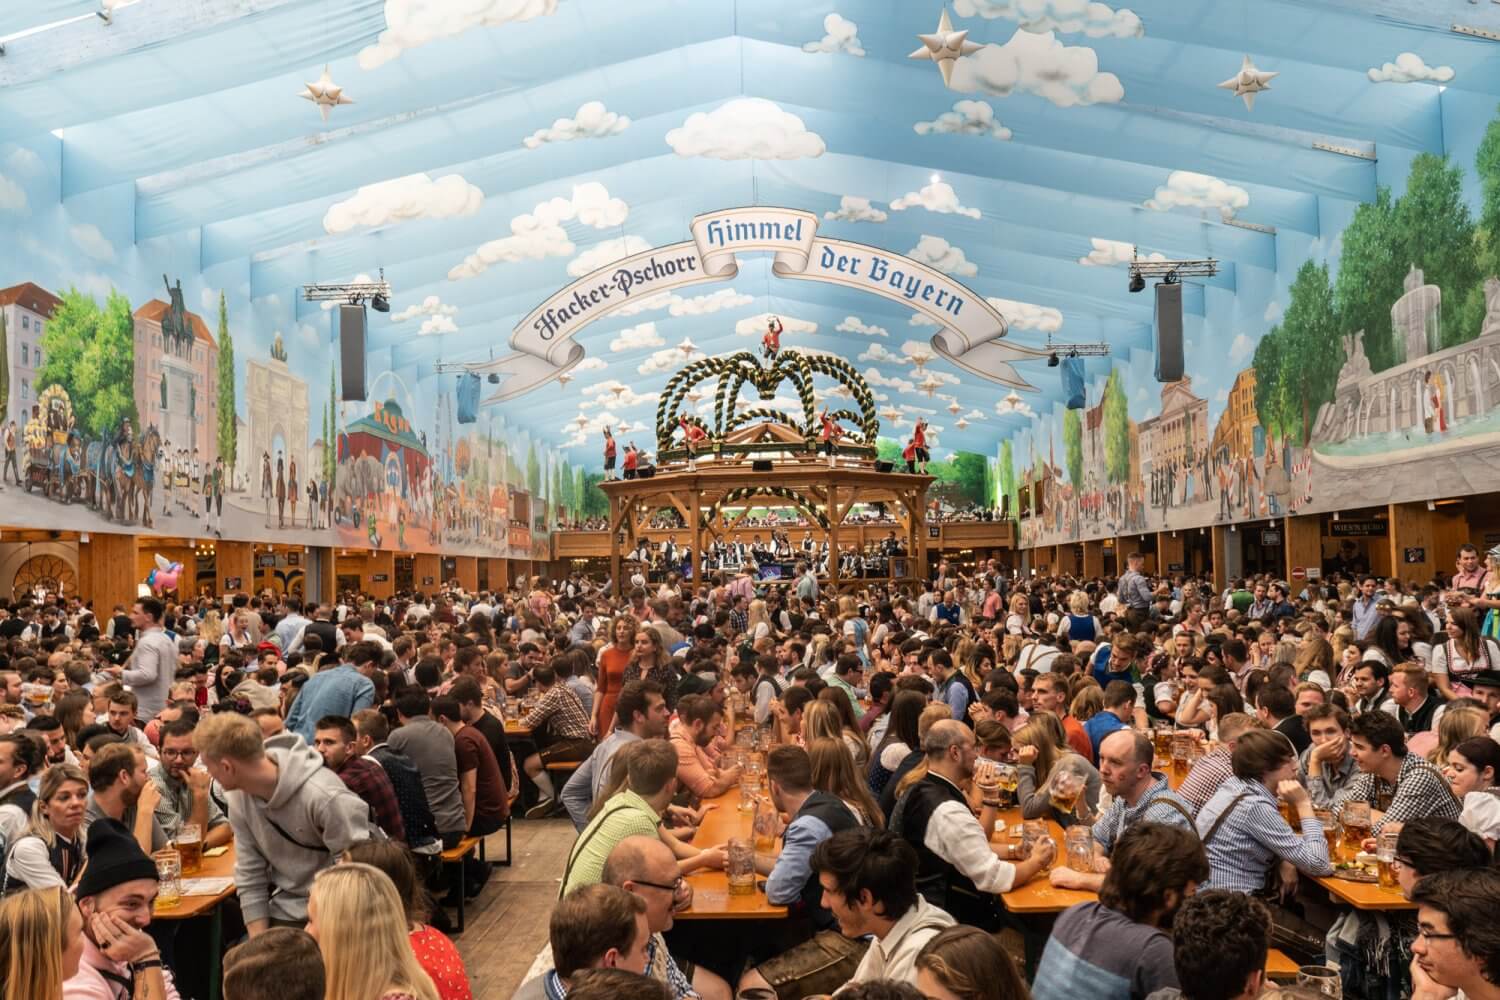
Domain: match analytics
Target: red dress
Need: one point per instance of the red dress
(439, 959)
(612, 663)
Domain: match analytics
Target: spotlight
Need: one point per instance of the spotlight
(494, 379)
(1052, 360)
(1137, 283)
(1170, 279)
(380, 303)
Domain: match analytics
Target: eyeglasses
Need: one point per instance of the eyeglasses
(1428, 935)
(1403, 862)
(674, 888)
(179, 754)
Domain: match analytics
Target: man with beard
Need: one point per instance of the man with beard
(699, 721)
(184, 790)
(121, 790)
(1120, 946)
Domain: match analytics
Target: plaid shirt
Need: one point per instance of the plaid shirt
(661, 967)
(1419, 791)
(560, 714)
(739, 621)
(369, 781)
(1206, 777)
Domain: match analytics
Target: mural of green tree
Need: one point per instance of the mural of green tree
(1297, 363)
(227, 437)
(1116, 429)
(331, 451)
(1429, 227)
(1009, 488)
(533, 473)
(91, 354)
(1073, 445)
(595, 503)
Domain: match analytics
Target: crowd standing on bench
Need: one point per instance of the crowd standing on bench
(1202, 753)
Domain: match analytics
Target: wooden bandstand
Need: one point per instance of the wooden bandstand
(716, 496)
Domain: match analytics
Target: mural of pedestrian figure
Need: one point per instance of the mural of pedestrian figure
(280, 491)
(292, 489)
(12, 436)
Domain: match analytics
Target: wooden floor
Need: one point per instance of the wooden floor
(507, 924)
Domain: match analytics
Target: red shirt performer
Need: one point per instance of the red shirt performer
(919, 439)
(631, 457)
(829, 434)
(692, 436)
(609, 454)
(771, 342)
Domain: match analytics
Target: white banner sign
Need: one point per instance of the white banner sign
(971, 329)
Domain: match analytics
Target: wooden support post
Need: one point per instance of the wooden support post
(426, 570)
(234, 561)
(695, 523)
(1303, 544)
(614, 546)
(107, 572)
(466, 568)
(1171, 550)
(833, 538)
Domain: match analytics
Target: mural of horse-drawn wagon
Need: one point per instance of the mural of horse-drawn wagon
(54, 448)
(114, 477)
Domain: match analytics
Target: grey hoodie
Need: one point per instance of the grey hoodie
(272, 874)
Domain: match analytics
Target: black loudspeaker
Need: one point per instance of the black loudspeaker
(1168, 332)
(352, 351)
(761, 465)
(884, 467)
(645, 472)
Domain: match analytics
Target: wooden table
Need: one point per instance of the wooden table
(1038, 895)
(514, 727)
(221, 866)
(711, 897)
(1365, 895)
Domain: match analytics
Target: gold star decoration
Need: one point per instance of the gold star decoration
(326, 94)
(945, 46)
(1248, 82)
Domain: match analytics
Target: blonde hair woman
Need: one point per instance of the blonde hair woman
(1042, 748)
(1314, 661)
(212, 628)
(1020, 613)
(41, 944)
(759, 621)
(1087, 703)
(51, 851)
(1459, 723)
(843, 724)
(361, 928)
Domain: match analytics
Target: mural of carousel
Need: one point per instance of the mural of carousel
(757, 451)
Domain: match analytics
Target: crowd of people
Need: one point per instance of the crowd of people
(341, 748)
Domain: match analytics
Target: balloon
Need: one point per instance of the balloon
(164, 575)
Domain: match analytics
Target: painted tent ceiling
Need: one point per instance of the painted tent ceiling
(486, 152)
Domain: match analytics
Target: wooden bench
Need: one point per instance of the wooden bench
(455, 855)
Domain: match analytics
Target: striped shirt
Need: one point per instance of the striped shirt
(1419, 791)
(1254, 837)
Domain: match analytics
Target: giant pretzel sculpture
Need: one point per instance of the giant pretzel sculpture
(734, 371)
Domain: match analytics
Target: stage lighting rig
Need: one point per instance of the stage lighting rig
(1059, 351)
(1169, 271)
(377, 293)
